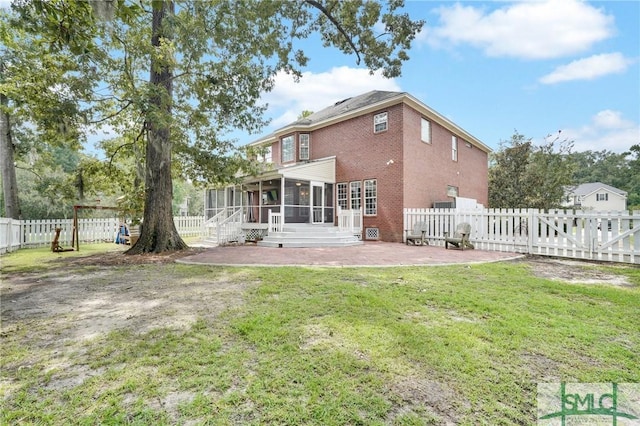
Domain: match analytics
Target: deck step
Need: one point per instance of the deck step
(300, 236)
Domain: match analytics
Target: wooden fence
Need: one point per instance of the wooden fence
(15, 234)
(605, 236)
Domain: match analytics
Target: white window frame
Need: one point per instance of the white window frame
(425, 130)
(380, 122)
(602, 196)
(303, 139)
(370, 197)
(355, 194)
(342, 195)
(454, 148)
(291, 152)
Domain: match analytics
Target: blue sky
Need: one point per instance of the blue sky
(496, 67)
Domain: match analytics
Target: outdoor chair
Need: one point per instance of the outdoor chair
(418, 236)
(460, 238)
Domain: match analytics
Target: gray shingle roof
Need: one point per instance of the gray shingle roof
(346, 105)
(588, 188)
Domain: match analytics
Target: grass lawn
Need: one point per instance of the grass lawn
(303, 346)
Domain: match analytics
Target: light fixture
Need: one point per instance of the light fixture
(298, 183)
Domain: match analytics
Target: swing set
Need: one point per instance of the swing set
(75, 240)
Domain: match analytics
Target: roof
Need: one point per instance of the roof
(347, 105)
(363, 104)
(589, 188)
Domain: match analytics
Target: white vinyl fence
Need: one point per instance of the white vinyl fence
(605, 236)
(15, 234)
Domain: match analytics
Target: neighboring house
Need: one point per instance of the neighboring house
(377, 153)
(596, 196)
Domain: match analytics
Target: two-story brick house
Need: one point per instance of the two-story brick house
(379, 152)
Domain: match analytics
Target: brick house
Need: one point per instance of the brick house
(376, 153)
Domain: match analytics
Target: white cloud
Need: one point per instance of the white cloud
(588, 68)
(316, 91)
(608, 130)
(529, 29)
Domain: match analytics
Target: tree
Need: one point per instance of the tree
(40, 93)
(633, 182)
(7, 157)
(209, 64)
(522, 175)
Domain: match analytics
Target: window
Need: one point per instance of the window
(370, 197)
(304, 146)
(380, 122)
(287, 148)
(602, 197)
(343, 196)
(265, 156)
(425, 134)
(454, 148)
(356, 191)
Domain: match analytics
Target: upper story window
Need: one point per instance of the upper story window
(602, 197)
(265, 155)
(304, 146)
(454, 148)
(425, 131)
(380, 122)
(287, 148)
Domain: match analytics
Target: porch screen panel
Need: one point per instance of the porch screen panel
(328, 203)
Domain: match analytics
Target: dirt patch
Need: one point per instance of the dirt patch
(88, 298)
(576, 272)
(427, 397)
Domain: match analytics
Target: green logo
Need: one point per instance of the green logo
(588, 403)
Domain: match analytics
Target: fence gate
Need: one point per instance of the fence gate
(606, 236)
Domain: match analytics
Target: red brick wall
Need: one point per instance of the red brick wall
(429, 169)
(362, 154)
(409, 173)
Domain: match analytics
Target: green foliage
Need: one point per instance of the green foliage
(522, 175)
(210, 63)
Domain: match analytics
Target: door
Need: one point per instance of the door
(317, 202)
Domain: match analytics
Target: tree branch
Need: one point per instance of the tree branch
(29, 170)
(110, 116)
(333, 20)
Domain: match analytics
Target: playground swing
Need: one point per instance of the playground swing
(75, 240)
(55, 244)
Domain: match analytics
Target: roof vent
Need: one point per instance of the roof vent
(341, 102)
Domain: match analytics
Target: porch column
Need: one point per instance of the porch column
(282, 199)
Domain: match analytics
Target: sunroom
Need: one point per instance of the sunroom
(296, 194)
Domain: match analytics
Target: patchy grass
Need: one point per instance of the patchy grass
(43, 259)
(315, 346)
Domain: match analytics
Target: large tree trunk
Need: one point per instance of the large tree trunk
(9, 182)
(158, 232)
